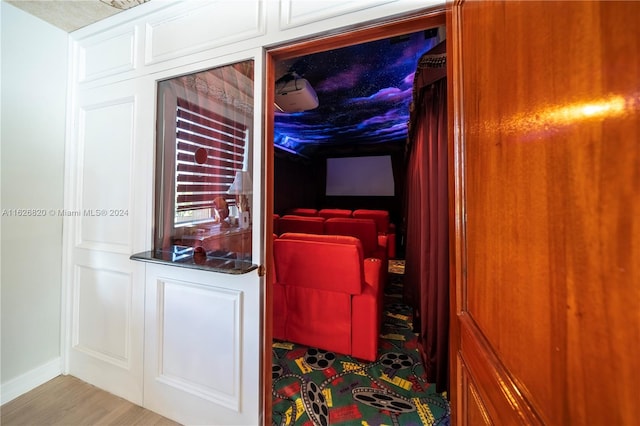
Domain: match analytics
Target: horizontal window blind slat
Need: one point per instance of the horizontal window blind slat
(200, 198)
(208, 171)
(212, 155)
(197, 113)
(214, 187)
(211, 136)
(195, 205)
(204, 178)
(181, 207)
(194, 141)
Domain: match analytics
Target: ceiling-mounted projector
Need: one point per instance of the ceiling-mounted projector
(295, 94)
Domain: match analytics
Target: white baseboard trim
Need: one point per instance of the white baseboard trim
(30, 380)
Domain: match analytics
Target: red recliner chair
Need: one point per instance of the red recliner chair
(301, 224)
(373, 244)
(331, 294)
(385, 227)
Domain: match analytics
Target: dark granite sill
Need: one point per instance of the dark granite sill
(201, 261)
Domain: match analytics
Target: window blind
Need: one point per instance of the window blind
(222, 139)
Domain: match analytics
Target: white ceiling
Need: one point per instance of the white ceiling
(70, 15)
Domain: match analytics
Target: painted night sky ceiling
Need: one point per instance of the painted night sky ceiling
(364, 92)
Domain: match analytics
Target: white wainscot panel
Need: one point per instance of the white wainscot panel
(106, 141)
(199, 339)
(102, 314)
(107, 55)
(294, 13)
(202, 346)
(208, 24)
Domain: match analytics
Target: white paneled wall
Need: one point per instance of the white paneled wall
(104, 56)
(107, 196)
(102, 301)
(105, 145)
(297, 13)
(202, 350)
(153, 333)
(242, 21)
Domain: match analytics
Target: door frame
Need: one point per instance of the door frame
(417, 21)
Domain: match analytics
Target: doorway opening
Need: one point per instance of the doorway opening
(291, 58)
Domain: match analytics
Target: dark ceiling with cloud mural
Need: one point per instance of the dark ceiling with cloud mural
(364, 93)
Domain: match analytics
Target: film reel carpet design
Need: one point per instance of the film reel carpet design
(313, 387)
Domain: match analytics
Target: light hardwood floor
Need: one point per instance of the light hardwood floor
(69, 401)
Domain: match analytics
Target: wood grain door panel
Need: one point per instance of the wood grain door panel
(547, 115)
(491, 389)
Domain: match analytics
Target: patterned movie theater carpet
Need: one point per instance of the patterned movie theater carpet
(316, 387)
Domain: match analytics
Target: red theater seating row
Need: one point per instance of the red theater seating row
(327, 294)
(381, 218)
(374, 244)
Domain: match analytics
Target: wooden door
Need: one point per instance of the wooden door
(546, 203)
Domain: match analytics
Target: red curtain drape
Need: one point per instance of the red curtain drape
(426, 213)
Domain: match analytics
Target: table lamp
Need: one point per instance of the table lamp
(241, 186)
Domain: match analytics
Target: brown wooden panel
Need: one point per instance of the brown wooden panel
(509, 291)
(472, 411)
(476, 412)
(501, 398)
(547, 121)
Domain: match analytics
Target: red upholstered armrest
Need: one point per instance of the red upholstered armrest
(372, 272)
(391, 244)
(383, 241)
(322, 262)
(366, 318)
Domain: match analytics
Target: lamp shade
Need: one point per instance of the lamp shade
(242, 183)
